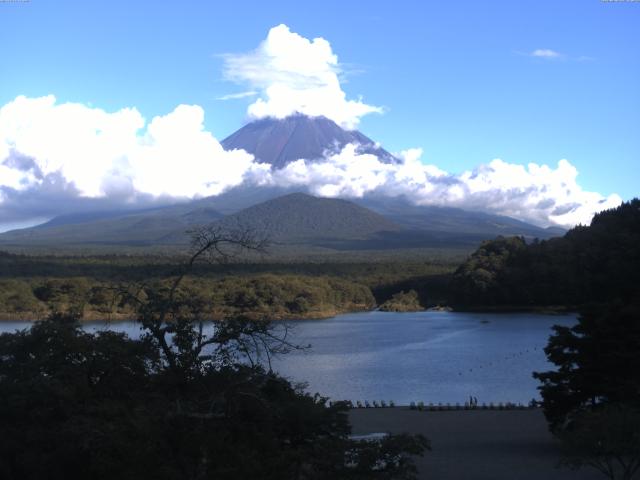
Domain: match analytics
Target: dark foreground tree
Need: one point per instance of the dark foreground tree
(187, 400)
(598, 362)
(607, 439)
(592, 400)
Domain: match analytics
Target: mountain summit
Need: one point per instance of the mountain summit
(281, 141)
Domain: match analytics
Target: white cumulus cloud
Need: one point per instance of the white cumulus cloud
(64, 157)
(70, 150)
(295, 75)
(536, 193)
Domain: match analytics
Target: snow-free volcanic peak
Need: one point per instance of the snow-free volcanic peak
(281, 141)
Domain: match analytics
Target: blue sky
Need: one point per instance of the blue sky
(457, 79)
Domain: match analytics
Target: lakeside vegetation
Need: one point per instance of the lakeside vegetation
(403, 302)
(272, 297)
(32, 286)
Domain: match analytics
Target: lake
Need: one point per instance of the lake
(410, 357)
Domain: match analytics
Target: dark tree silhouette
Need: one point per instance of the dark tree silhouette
(592, 400)
(598, 361)
(607, 439)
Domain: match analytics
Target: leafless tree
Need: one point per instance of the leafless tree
(176, 322)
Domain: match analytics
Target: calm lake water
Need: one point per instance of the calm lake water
(404, 357)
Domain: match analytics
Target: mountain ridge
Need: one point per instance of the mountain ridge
(293, 218)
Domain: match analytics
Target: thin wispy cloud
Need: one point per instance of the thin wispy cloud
(546, 53)
(552, 55)
(237, 96)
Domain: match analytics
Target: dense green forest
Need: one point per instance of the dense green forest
(595, 263)
(33, 286)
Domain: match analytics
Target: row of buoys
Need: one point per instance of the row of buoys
(366, 404)
(508, 357)
(441, 406)
(466, 406)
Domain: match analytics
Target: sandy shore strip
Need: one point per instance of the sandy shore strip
(476, 444)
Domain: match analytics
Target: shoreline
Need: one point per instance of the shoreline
(87, 317)
(91, 316)
(540, 309)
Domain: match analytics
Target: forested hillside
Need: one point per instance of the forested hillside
(594, 263)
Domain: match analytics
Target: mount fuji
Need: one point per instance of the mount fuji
(281, 141)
